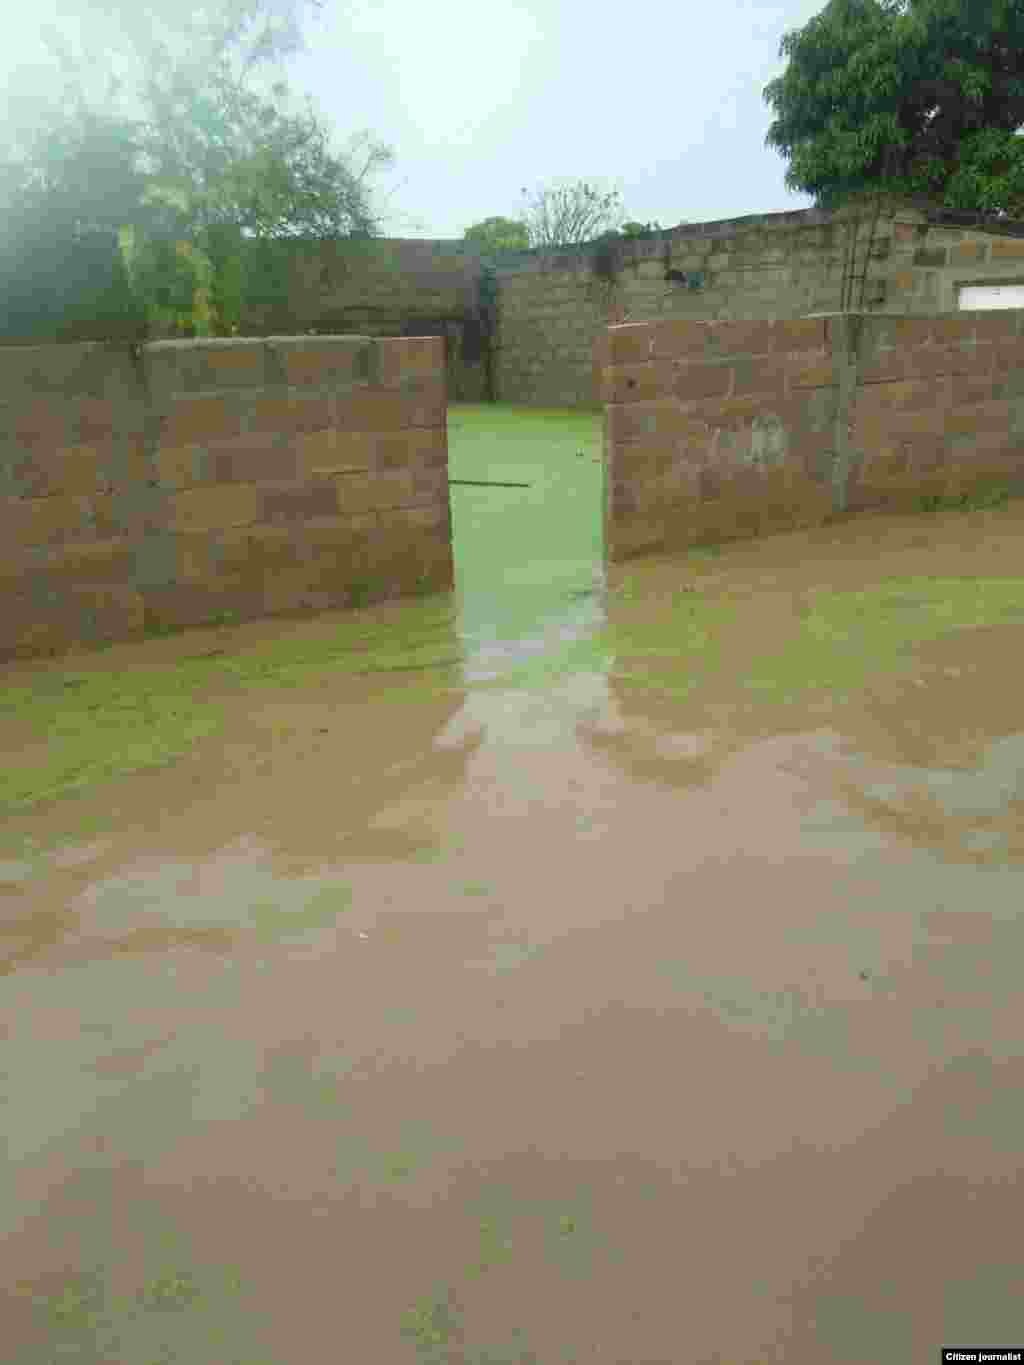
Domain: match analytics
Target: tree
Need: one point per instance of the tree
(126, 40)
(910, 98)
(222, 154)
(173, 281)
(570, 215)
(498, 234)
(60, 213)
(209, 163)
(633, 229)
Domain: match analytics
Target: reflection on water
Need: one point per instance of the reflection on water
(499, 649)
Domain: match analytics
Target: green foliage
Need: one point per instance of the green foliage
(69, 292)
(975, 499)
(141, 226)
(912, 98)
(431, 1324)
(117, 312)
(263, 275)
(61, 205)
(222, 244)
(568, 215)
(269, 173)
(172, 280)
(632, 229)
(498, 234)
(227, 156)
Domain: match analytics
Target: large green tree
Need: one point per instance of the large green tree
(61, 210)
(199, 164)
(498, 234)
(918, 98)
(513, 234)
(635, 229)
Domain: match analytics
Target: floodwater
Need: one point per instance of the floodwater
(588, 968)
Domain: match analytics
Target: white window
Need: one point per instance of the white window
(991, 296)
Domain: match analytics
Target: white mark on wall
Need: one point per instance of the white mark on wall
(768, 441)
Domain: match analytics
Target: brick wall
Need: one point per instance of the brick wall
(718, 430)
(170, 484)
(386, 287)
(928, 263)
(552, 310)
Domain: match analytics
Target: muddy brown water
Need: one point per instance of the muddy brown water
(555, 1021)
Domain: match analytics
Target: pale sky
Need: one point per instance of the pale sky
(662, 103)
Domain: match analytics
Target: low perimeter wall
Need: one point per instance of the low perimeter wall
(719, 430)
(178, 482)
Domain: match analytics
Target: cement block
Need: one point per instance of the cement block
(216, 506)
(46, 521)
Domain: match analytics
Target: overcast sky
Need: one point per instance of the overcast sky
(663, 103)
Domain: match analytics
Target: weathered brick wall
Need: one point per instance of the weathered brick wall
(928, 263)
(386, 287)
(174, 483)
(549, 316)
(553, 310)
(718, 430)
(938, 406)
(770, 266)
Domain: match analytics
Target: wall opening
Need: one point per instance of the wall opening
(527, 518)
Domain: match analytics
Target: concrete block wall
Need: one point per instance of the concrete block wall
(553, 311)
(768, 266)
(928, 263)
(387, 287)
(169, 484)
(936, 405)
(551, 308)
(721, 430)
(549, 316)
